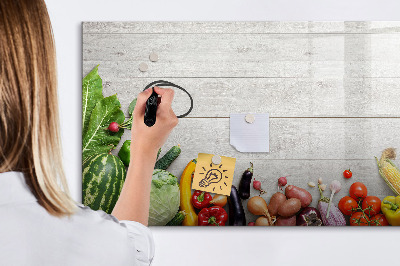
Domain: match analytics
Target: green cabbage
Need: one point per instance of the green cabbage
(164, 197)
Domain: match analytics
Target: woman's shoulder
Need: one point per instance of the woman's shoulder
(99, 228)
(99, 223)
(86, 214)
(135, 235)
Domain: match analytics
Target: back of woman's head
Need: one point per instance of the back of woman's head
(29, 126)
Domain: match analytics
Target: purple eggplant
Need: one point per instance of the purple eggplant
(336, 217)
(237, 216)
(245, 182)
(309, 216)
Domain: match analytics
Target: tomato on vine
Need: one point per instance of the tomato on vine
(347, 174)
(359, 219)
(358, 191)
(371, 205)
(379, 220)
(347, 205)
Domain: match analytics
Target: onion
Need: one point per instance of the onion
(257, 205)
(262, 221)
(309, 216)
(219, 200)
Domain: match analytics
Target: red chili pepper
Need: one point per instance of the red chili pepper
(213, 216)
(201, 199)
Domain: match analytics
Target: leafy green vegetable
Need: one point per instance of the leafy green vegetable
(128, 123)
(92, 92)
(132, 106)
(164, 197)
(97, 138)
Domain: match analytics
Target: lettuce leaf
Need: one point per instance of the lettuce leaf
(92, 93)
(132, 106)
(97, 139)
(130, 112)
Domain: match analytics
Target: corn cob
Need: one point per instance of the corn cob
(389, 172)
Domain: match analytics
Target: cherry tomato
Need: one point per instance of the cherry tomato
(371, 205)
(379, 220)
(359, 219)
(347, 174)
(347, 205)
(358, 191)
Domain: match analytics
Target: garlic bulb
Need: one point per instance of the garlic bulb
(335, 187)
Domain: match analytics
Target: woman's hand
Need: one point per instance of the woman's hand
(148, 140)
(134, 202)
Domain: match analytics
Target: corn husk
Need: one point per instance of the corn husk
(388, 170)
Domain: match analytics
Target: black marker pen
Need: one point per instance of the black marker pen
(151, 109)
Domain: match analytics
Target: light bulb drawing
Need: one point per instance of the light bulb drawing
(213, 176)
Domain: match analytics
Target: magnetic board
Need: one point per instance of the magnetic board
(331, 90)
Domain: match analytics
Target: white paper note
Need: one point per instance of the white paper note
(249, 137)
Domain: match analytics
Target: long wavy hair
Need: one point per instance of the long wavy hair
(29, 122)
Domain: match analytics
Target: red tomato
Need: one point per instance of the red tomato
(371, 205)
(358, 191)
(347, 205)
(359, 219)
(347, 174)
(379, 220)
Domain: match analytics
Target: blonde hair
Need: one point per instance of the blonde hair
(29, 124)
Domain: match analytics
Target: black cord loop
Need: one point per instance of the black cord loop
(163, 83)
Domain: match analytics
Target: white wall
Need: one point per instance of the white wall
(225, 246)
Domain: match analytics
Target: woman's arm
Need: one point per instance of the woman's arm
(134, 201)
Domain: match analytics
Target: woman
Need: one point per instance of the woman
(39, 222)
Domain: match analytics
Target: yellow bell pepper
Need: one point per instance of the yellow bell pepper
(186, 195)
(391, 209)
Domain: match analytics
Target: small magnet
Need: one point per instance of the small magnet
(250, 118)
(216, 159)
(143, 67)
(153, 57)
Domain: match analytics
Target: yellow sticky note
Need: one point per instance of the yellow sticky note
(213, 178)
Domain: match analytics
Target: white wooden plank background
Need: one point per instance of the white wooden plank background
(271, 27)
(281, 97)
(332, 90)
(247, 55)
